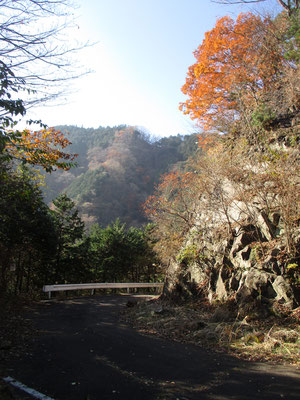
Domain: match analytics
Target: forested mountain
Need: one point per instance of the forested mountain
(117, 170)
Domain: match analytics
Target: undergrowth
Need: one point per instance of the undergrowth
(274, 339)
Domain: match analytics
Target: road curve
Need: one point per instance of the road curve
(84, 352)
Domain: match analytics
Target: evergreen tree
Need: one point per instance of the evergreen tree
(27, 234)
(71, 243)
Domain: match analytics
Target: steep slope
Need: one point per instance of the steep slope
(117, 170)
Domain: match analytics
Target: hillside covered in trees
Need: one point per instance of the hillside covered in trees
(117, 170)
(97, 236)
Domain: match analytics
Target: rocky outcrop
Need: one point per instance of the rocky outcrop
(244, 267)
(244, 244)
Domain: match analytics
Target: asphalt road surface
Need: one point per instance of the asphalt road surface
(84, 352)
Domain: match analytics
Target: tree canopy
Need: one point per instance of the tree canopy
(232, 69)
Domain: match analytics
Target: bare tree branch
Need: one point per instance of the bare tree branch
(237, 1)
(289, 5)
(35, 46)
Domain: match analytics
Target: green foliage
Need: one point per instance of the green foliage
(262, 116)
(41, 246)
(292, 37)
(294, 140)
(80, 188)
(9, 107)
(119, 254)
(12, 107)
(68, 263)
(188, 255)
(27, 232)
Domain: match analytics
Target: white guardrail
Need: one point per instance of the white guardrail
(92, 286)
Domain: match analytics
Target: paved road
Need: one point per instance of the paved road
(84, 352)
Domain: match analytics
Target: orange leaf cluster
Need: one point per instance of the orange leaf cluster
(234, 60)
(43, 148)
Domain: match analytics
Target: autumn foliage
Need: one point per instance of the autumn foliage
(236, 62)
(172, 196)
(172, 207)
(41, 148)
(245, 83)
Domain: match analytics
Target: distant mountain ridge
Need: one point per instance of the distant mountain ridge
(118, 168)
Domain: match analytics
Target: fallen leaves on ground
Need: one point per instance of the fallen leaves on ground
(272, 339)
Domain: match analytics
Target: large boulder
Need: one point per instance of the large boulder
(284, 292)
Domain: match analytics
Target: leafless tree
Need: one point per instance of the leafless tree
(288, 5)
(36, 48)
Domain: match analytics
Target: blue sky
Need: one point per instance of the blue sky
(140, 60)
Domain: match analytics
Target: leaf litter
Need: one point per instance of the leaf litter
(273, 339)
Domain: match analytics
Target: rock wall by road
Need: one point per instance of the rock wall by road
(248, 264)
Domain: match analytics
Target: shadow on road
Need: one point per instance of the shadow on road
(83, 352)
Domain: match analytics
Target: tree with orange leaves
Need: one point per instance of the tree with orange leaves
(41, 148)
(236, 62)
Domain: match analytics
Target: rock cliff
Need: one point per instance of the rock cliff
(244, 245)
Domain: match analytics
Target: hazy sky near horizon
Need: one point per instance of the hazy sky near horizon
(140, 61)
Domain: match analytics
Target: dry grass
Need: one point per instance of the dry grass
(274, 339)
